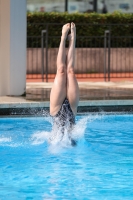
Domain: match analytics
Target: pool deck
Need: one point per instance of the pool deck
(23, 102)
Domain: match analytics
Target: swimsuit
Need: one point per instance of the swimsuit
(64, 119)
(64, 115)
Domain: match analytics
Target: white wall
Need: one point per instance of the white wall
(12, 47)
(81, 6)
(115, 5)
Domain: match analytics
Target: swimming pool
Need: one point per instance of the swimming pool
(99, 167)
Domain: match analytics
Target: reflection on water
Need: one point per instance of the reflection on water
(43, 94)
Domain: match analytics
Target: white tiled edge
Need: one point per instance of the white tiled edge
(81, 103)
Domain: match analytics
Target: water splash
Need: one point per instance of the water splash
(39, 138)
(58, 141)
(5, 139)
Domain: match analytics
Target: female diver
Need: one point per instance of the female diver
(64, 95)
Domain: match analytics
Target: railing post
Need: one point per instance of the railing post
(42, 47)
(109, 37)
(46, 53)
(107, 44)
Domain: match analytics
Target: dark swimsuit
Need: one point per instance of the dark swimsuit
(65, 118)
(65, 114)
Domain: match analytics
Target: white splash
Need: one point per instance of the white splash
(39, 137)
(5, 139)
(56, 139)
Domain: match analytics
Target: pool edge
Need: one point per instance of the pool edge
(42, 108)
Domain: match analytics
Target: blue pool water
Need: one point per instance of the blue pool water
(99, 167)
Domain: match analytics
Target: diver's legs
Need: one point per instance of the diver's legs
(58, 91)
(72, 85)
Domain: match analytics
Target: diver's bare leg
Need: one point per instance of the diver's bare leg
(72, 85)
(58, 92)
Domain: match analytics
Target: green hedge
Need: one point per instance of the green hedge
(88, 24)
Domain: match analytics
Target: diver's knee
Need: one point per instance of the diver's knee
(70, 71)
(61, 69)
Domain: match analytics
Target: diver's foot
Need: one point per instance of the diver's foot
(65, 30)
(73, 31)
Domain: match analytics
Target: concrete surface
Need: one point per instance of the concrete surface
(16, 102)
